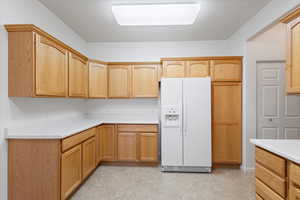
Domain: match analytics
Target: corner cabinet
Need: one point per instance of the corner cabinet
(97, 80)
(78, 76)
(39, 65)
(293, 57)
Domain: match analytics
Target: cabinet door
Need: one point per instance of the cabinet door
(51, 68)
(197, 68)
(227, 108)
(226, 70)
(78, 76)
(98, 139)
(97, 80)
(173, 69)
(294, 192)
(119, 81)
(293, 60)
(108, 142)
(71, 169)
(127, 146)
(145, 81)
(148, 147)
(88, 156)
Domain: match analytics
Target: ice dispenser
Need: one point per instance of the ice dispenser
(171, 116)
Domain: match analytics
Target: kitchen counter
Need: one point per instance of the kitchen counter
(288, 149)
(58, 129)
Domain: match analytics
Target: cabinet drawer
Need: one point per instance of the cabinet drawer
(265, 192)
(258, 197)
(295, 173)
(270, 161)
(272, 180)
(78, 138)
(137, 128)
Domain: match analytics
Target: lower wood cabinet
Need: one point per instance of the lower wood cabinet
(88, 157)
(108, 142)
(71, 171)
(148, 147)
(127, 146)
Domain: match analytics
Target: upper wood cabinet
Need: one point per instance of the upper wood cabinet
(293, 58)
(174, 69)
(97, 80)
(38, 63)
(51, 68)
(119, 81)
(197, 68)
(78, 76)
(227, 124)
(145, 81)
(226, 70)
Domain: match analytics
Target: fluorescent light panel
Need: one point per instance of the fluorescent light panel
(156, 14)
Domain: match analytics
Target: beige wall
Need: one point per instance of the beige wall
(267, 46)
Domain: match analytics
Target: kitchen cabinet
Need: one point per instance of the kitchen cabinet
(127, 146)
(38, 63)
(145, 81)
(293, 58)
(119, 81)
(197, 68)
(71, 171)
(226, 127)
(174, 69)
(226, 70)
(98, 143)
(148, 147)
(51, 68)
(97, 80)
(88, 156)
(78, 76)
(108, 142)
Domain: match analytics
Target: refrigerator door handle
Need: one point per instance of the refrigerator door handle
(184, 117)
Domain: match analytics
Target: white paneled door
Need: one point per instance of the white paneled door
(278, 114)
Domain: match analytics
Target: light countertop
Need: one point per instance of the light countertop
(58, 129)
(288, 149)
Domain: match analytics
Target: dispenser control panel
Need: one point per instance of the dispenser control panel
(171, 116)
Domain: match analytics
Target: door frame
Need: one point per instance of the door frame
(256, 88)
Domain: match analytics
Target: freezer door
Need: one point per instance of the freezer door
(197, 122)
(171, 132)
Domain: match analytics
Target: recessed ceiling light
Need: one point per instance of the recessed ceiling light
(156, 14)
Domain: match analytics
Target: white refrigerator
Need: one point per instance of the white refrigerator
(186, 124)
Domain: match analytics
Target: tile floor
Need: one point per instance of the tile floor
(148, 183)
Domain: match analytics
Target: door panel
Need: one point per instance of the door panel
(108, 142)
(127, 146)
(197, 122)
(51, 68)
(171, 137)
(88, 157)
(119, 81)
(173, 69)
(197, 68)
(97, 80)
(226, 70)
(278, 115)
(148, 147)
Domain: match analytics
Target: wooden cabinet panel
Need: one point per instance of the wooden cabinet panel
(173, 69)
(145, 81)
(293, 59)
(148, 147)
(108, 142)
(294, 193)
(265, 192)
(119, 81)
(98, 139)
(127, 146)
(137, 128)
(258, 197)
(97, 80)
(227, 108)
(226, 70)
(271, 161)
(78, 76)
(295, 174)
(88, 157)
(276, 183)
(197, 68)
(51, 68)
(71, 171)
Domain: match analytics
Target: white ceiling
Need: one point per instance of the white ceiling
(93, 20)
